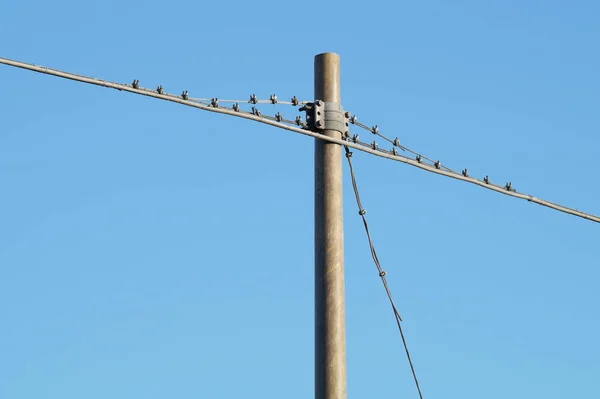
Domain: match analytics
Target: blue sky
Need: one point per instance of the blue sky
(149, 250)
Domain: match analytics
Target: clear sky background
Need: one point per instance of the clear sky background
(153, 251)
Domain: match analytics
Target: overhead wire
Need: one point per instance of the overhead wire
(382, 273)
(273, 101)
(395, 142)
(298, 126)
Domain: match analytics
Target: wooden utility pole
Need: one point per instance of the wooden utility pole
(330, 315)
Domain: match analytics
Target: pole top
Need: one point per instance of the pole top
(328, 54)
(327, 77)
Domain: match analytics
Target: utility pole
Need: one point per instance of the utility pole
(327, 122)
(330, 313)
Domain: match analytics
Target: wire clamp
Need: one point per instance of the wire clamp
(322, 115)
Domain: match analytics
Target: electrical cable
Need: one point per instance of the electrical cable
(382, 273)
(277, 121)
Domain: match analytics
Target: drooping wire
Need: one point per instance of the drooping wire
(300, 127)
(382, 273)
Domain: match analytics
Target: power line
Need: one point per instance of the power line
(382, 273)
(395, 142)
(420, 161)
(254, 100)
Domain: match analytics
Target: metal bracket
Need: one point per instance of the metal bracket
(322, 115)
